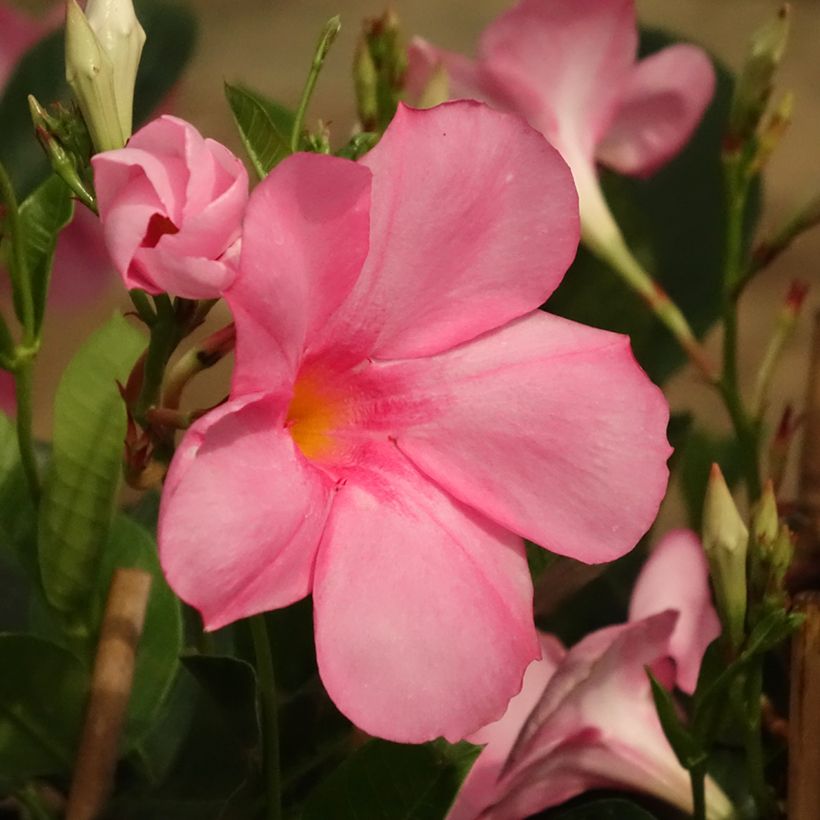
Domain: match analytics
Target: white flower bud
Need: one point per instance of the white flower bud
(726, 543)
(103, 47)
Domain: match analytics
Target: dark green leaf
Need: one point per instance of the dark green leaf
(770, 632)
(606, 810)
(675, 223)
(129, 545)
(170, 30)
(18, 520)
(43, 214)
(388, 781)
(218, 756)
(230, 686)
(40, 72)
(686, 747)
(42, 698)
(81, 485)
(261, 127)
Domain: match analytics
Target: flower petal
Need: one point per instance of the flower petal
(305, 238)
(423, 610)
(226, 548)
(491, 229)
(563, 65)
(598, 701)
(663, 104)
(676, 576)
(479, 788)
(550, 428)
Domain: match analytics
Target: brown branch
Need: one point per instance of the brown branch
(804, 713)
(111, 683)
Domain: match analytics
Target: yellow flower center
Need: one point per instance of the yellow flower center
(312, 416)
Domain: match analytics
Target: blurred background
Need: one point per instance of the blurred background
(267, 45)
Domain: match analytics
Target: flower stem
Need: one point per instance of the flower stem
(326, 39)
(25, 437)
(270, 716)
(746, 429)
(697, 775)
(618, 256)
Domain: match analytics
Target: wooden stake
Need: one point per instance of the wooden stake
(804, 713)
(111, 684)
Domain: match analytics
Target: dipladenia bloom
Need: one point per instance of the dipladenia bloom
(585, 718)
(171, 206)
(401, 414)
(570, 68)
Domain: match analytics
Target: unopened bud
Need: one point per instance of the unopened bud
(121, 37)
(754, 86)
(725, 541)
(774, 131)
(379, 69)
(765, 521)
(103, 48)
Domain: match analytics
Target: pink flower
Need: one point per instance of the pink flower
(401, 414)
(171, 205)
(570, 69)
(585, 718)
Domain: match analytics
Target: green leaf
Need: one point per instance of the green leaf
(675, 223)
(686, 747)
(389, 781)
(229, 685)
(43, 214)
(130, 545)
(614, 809)
(261, 127)
(43, 689)
(81, 485)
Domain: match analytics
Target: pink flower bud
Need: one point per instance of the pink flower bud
(171, 204)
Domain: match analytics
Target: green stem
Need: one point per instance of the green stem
(753, 741)
(326, 39)
(142, 304)
(747, 431)
(25, 437)
(164, 339)
(697, 775)
(270, 716)
(21, 283)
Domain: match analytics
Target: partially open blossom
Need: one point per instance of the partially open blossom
(570, 68)
(171, 205)
(585, 718)
(401, 414)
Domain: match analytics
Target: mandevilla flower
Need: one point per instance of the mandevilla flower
(171, 205)
(585, 718)
(401, 414)
(570, 69)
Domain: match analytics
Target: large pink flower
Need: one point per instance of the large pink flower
(171, 205)
(570, 69)
(585, 718)
(401, 415)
